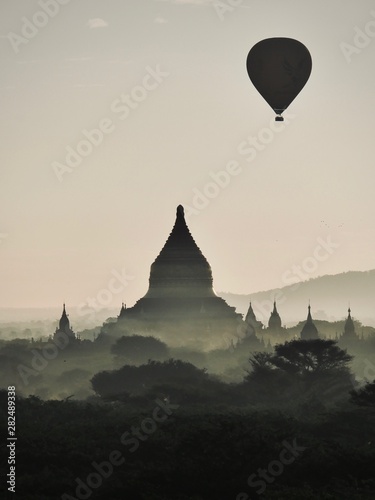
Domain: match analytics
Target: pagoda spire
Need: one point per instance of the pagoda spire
(349, 328)
(180, 236)
(309, 318)
(309, 330)
(275, 321)
(250, 316)
(64, 320)
(180, 269)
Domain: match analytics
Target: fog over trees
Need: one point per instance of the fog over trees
(191, 423)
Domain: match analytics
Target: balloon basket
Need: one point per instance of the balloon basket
(279, 119)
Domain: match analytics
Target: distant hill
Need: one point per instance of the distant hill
(329, 296)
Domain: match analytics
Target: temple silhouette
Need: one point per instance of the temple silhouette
(181, 300)
(65, 327)
(309, 330)
(349, 338)
(181, 306)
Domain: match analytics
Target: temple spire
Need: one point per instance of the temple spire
(64, 324)
(349, 328)
(180, 269)
(64, 320)
(309, 330)
(180, 212)
(309, 318)
(252, 324)
(275, 321)
(250, 316)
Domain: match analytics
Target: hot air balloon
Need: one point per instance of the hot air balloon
(279, 69)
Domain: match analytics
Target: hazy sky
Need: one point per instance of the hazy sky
(166, 82)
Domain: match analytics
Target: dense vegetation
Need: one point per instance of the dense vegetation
(199, 454)
(297, 426)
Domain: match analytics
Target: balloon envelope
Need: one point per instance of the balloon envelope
(279, 69)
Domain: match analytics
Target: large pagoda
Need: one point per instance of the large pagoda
(180, 303)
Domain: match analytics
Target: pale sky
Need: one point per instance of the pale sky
(66, 235)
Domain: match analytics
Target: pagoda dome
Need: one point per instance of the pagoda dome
(275, 321)
(180, 270)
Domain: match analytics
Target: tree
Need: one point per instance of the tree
(311, 356)
(300, 369)
(137, 349)
(137, 380)
(364, 396)
(261, 364)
